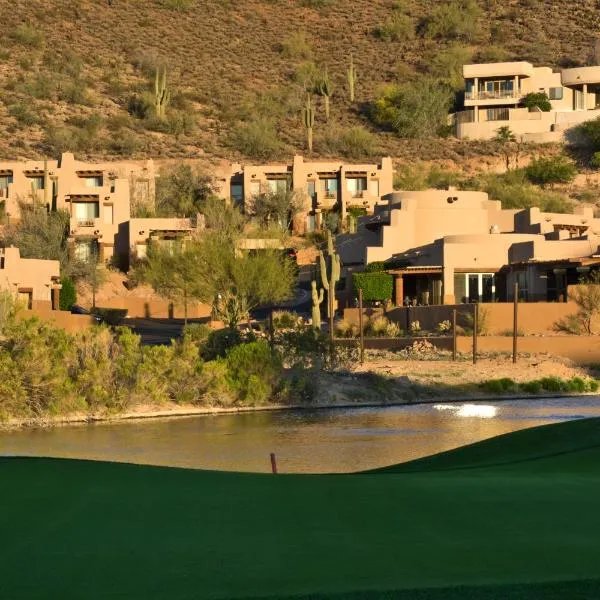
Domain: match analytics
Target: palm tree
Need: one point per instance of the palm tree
(505, 137)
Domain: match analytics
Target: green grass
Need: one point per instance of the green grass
(512, 517)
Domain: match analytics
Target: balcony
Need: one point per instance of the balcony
(84, 222)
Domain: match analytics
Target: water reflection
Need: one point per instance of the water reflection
(304, 441)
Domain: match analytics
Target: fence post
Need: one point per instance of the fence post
(475, 319)
(454, 334)
(361, 327)
(273, 463)
(515, 321)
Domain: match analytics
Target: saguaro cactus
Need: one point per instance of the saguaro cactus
(325, 89)
(352, 77)
(330, 274)
(317, 299)
(162, 94)
(308, 119)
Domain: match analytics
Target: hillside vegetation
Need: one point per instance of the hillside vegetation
(80, 74)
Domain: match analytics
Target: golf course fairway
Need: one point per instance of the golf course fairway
(517, 516)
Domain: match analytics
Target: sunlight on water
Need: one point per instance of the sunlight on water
(483, 411)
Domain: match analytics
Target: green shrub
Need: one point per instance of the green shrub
(68, 293)
(28, 35)
(553, 384)
(346, 329)
(253, 371)
(595, 160)
(499, 386)
(376, 287)
(375, 267)
(556, 169)
(377, 326)
(354, 142)
(256, 139)
(284, 319)
(23, 114)
(531, 387)
(537, 100)
(590, 131)
(397, 28)
(197, 332)
(219, 342)
(456, 19)
(447, 65)
(417, 109)
(112, 316)
(296, 46)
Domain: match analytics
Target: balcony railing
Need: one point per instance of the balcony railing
(496, 95)
(85, 222)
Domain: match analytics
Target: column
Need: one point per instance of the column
(476, 87)
(516, 87)
(476, 114)
(585, 92)
(399, 290)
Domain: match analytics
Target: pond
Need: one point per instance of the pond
(304, 441)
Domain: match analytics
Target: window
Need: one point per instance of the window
(578, 100)
(330, 185)
(5, 181)
(141, 250)
(108, 214)
(86, 212)
(278, 186)
(93, 181)
(237, 193)
(555, 93)
(497, 89)
(374, 188)
(85, 250)
(254, 188)
(26, 298)
(37, 183)
(497, 114)
(356, 186)
(474, 287)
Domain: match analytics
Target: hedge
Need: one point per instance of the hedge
(68, 294)
(376, 287)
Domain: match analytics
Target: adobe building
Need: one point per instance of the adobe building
(36, 283)
(449, 246)
(325, 185)
(494, 91)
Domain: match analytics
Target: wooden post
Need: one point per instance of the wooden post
(475, 315)
(454, 334)
(515, 321)
(273, 463)
(361, 326)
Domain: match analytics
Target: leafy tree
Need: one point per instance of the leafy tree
(537, 100)
(256, 138)
(447, 65)
(68, 293)
(416, 109)
(397, 28)
(182, 191)
(225, 219)
(586, 296)
(279, 207)
(551, 170)
(505, 138)
(453, 20)
(376, 286)
(590, 130)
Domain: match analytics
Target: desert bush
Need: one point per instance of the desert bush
(415, 328)
(551, 170)
(346, 329)
(590, 131)
(256, 139)
(393, 330)
(499, 386)
(23, 114)
(447, 65)
(68, 293)
(284, 319)
(586, 295)
(74, 92)
(28, 35)
(40, 87)
(219, 342)
(376, 287)
(411, 177)
(417, 109)
(595, 160)
(354, 142)
(456, 19)
(444, 327)
(377, 326)
(398, 27)
(296, 46)
(537, 100)
(483, 320)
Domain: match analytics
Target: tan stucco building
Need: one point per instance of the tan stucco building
(447, 246)
(35, 283)
(324, 185)
(494, 91)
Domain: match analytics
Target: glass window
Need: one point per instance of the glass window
(278, 186)
(37, 182)
(578, 100)
(86, 212)
(237, 193)
(556, 93)
(356, 185)
(497, 114)
(254, 188)
(86, 249)
(5, 181)
(330, 185)
(94, 181)
(25, 299)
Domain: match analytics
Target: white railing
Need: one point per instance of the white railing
(496, 95)
(85, 222)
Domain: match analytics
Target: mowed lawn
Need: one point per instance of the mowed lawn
(517, 517)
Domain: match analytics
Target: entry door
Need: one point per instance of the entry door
(473, 287)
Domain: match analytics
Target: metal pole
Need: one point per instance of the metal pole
(454, 334)
(361, 327)
(475, 315)
(515, 321)
(273, 463)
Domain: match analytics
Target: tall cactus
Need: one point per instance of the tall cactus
(317, 299)
(352, 77)
(330, 274)
(325, 89)
(162, 94)
(308, 119)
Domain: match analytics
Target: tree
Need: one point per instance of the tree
(551, 170)
(68, 293)
(182, 191)
(537, 100)
(586, 296)
(278, 207)
(505, 138)
(94, 274)
(417, 109)
(172, 273)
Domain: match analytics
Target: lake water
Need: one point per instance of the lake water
(308, 441)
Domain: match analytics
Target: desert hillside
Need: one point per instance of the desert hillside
(79, 74)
